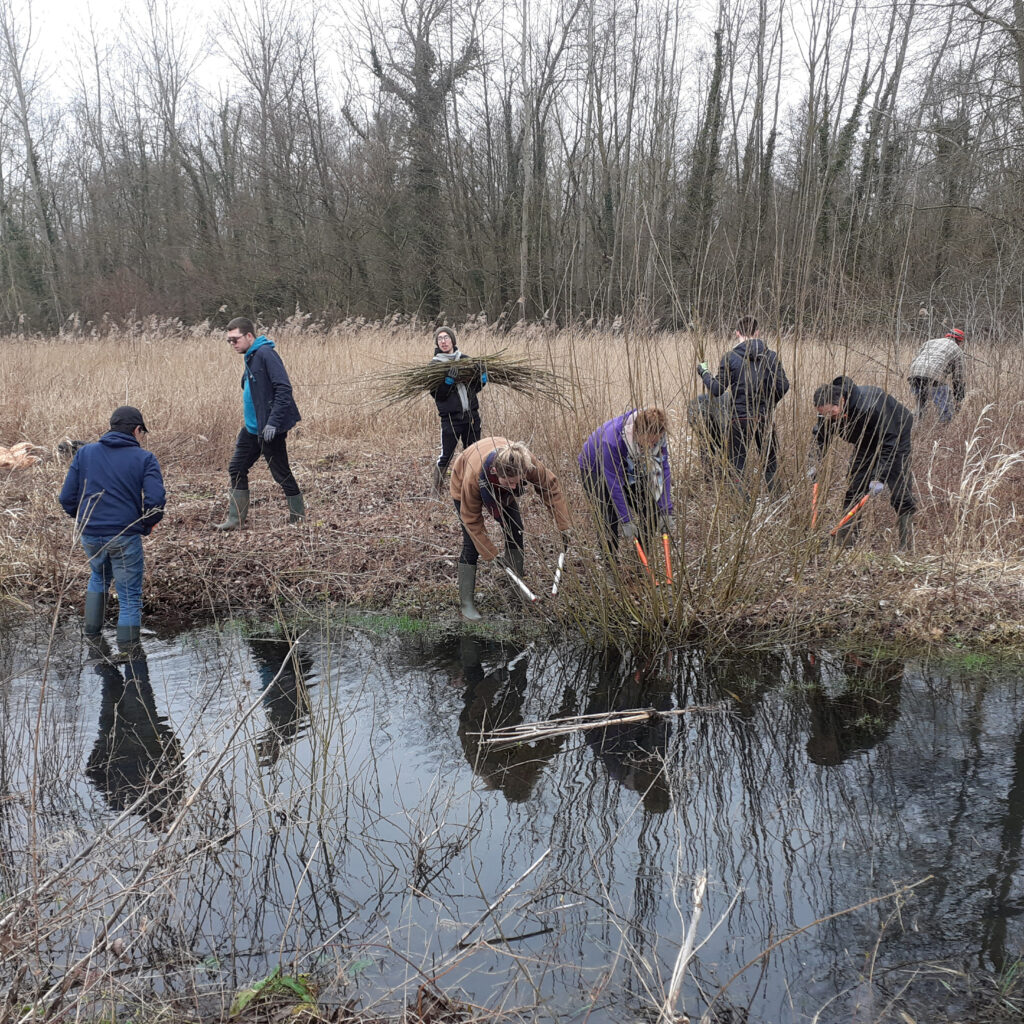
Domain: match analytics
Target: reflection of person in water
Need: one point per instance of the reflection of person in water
(494, 699)
(633, 753)
(858, 718)
(136, 759)
(283, 680)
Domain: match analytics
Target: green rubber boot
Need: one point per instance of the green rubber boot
(95, 609)
(296, 509)
(128, 636)
(238, 510)
(467, 582)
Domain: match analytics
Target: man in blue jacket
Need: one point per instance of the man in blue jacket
(753, 374)
(116, 492)
(270, 412)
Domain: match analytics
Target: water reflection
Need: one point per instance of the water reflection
(494, 698)
(857, 718)
(284, 674)
(136, 758)
(634, 753)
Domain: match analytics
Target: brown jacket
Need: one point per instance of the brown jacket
(465, 488)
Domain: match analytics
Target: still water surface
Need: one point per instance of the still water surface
(330, 808)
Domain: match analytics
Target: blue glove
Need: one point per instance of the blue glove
(269, 432)
(702, 368)
(483, 378)
(875, 488)
(449, 381)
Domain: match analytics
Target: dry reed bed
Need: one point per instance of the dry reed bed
(376, 539)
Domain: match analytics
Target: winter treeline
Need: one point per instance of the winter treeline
(827, 163)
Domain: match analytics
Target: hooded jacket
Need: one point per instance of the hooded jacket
(265, 382)
(470, 485)
(607, 453)
(873, 421)
(114, 487)
(754, 375)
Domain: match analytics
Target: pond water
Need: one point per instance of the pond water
(227, 803)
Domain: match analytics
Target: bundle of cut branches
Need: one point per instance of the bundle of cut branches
(508, 371)
(530, 732)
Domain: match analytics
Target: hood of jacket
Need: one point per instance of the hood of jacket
(259, 343)
(750, 348)
(118, 439)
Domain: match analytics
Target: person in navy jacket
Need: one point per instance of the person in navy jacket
(270, 412)
(115, 491)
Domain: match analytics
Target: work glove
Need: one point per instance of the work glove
(875, 488)
(812, 472)
(665, 523)
(449, 380)
(629, 531)
(269, 432)
(483, 377)
(702, 368)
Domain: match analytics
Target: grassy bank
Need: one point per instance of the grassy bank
(376, 539)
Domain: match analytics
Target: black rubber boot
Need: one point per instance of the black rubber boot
(128, 638)
(467, 582)
(296, 509)
(846, 537)
(238, 510)
(905, 522)
(437, 481)
(95, 609)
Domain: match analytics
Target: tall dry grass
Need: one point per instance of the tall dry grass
(734, 561)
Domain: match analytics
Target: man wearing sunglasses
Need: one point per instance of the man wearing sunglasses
(270, 412)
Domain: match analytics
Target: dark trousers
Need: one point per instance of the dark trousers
(643, 512)
(759, 431)
(926, 391)
(899, 478)
(509, 518)
(466, 430)
(248, 449)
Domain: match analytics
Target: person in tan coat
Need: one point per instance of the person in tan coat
(489, 477)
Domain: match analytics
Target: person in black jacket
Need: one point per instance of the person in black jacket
(753, 374)
(879, 428)
(456, 401)
(270, 412)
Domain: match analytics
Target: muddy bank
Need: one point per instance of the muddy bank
(376, 540)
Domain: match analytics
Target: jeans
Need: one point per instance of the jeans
(509, 518)
(939, 394)
(118, 559)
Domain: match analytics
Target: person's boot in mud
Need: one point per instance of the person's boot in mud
(467, 584)
(238, 511)
(95, 610)
(296, 509)
(905, 524)
(437, 482)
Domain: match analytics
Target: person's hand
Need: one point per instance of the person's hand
(449, 380)
(483, 377)
(665, 523)
(629, 531)
(875, 488)
(269, 432)
(702, 368)
(812, 472)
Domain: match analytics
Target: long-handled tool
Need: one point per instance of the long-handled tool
(668, 558)
(643, 558)
(558, 574)
(849, 515)
(814, 506)
(519, 584)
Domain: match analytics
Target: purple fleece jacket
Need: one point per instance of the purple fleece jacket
(605, 453)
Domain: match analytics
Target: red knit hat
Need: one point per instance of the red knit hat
(957, 335)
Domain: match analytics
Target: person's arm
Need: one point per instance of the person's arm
(665, 501)
(280, 385)
(153, 495)
(546, 484)
(611, 467)
(722, 381)
(70, 493)
(822, 434)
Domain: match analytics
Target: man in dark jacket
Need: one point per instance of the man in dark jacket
(270, 412)
(753, 374)
(879, 428)
(116, 492)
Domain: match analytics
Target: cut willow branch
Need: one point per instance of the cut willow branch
(510, 735)
(510, 372)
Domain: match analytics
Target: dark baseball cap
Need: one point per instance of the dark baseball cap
(126, 418)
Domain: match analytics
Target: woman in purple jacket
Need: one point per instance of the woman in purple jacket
(624, 465)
